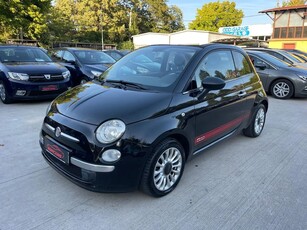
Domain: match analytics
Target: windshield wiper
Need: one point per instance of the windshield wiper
(127, 83)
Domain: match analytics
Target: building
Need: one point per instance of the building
(185, 37)
(261, 32)
(289, 27)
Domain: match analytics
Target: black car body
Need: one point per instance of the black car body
(28, 73)
(279, 78)
(284, 56)
(135, 128)
(83, 64)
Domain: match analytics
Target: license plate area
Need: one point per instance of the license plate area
(57, 150)
(48, 88)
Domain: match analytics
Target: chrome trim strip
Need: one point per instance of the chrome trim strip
(50, 127)
(69, 137)
(91, 167)
(214, 142)
(62, 134)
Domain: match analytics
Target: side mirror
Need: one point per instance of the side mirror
(71, 62)
(260, 66)
(211, 83)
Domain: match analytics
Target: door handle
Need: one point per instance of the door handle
(242, 94)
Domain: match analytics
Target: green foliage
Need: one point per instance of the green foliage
(214, 15)
(127, 45)
(294, 2)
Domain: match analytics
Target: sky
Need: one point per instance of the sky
(249, 7)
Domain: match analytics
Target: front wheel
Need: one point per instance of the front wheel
(164, 169)
(282, 89)
(256, 126)
(5, 98)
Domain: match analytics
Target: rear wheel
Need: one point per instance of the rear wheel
(5, 98)
(256, 126)
(163, 169)
(282, 89)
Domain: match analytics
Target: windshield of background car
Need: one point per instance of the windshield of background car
(93, 57)
(294, 59)
(155, 67)
(273, 60)
(23, 54)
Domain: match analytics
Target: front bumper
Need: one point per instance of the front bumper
(33, 90)
(84, 167)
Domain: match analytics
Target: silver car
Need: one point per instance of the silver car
(279, 78)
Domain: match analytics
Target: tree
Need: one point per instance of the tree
(24, 18)
(294, 2)
(176, 22)
(214, 15)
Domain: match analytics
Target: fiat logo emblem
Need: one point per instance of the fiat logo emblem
(47, 76)
(58, 132)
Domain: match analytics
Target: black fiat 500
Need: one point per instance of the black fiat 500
(138, 125)
(28, 73)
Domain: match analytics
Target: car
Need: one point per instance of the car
(84, 64)
(134, 129)
(283, 55)
(28, 73)
(115, 54)
(299, 54)
(279, 78)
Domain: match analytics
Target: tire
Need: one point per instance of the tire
(5, 98)
(282, 89)
(256, 126)
(163, 169)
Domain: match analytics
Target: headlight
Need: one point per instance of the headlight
(110, 131)
(96, 73)
(66, 74)
(304, 78)
(18, 76)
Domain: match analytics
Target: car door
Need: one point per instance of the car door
(220, 112)
(70, 62)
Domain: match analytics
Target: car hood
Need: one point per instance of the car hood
(93, 103)
(32, 68)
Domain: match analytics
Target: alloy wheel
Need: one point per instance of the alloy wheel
(281, 89)
(259, 121)
(167, 169)
(2, 92)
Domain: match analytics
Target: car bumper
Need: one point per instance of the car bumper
(30, 90)
(83, 167)
(301, 89)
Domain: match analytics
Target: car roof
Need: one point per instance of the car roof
(19, 46)
(75, 48)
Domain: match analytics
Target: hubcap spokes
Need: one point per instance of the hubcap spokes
(2, 92)
(281, 89)
(167, 169)
(259, 121)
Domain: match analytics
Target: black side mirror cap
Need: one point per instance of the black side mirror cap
(211, 83)
(260, 66)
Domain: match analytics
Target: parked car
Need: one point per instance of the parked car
(299, 54)
(115, 54)
(29, 73)
(136, 129)
(281, 79)
(83, 64)
(284, 56)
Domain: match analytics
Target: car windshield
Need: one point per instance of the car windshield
(271, 59)
(93, 57)
(23, 54)
(289, 56)
(155, 67)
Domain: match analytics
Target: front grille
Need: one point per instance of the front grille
(43, 78)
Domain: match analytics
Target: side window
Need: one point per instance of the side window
(279, 56)
(68, 57)
(215, 64)
(242, 65)
(258, 62)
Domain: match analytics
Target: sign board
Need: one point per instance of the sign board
(236, 30)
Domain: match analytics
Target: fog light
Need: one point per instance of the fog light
(21, 92)
(110, 155)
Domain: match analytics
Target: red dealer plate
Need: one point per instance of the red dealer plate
(49, 88)
(57, 150)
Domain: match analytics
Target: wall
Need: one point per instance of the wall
(299, 45)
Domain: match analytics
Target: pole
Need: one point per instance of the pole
(102, 45)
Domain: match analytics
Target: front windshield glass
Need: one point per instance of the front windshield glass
(23, 54)
(154, 67)
(288, 55)
(93, 57)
